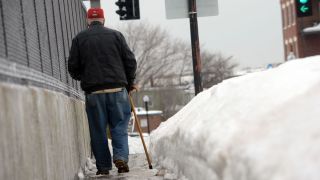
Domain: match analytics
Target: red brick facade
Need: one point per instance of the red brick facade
(154, 122)
(298, 42)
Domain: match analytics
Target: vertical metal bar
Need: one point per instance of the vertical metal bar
(72, 19)
(84, 17)
(56, 36)
(195, 46)
(24, 32)
(49, 44)
(4, 30)
(63, 44)
(80, 27)
(38, 33)
(67, 16)
(73, 30)
(78, 16)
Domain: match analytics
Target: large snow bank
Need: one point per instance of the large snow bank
(262, 126)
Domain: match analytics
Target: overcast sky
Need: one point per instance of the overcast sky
(249, 30)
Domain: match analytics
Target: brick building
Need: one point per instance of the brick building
(154, 119)
(301, 35)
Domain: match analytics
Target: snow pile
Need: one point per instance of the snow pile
(314, 29)
(262, 126)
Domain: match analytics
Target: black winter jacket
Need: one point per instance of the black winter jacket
(100, 58)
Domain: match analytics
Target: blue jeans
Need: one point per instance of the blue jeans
(113, 110)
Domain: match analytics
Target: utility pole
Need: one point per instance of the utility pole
(196, 59)
(95, 4)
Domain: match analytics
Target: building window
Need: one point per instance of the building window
(319, 6)
(291, 54)
(289, 15)
(293, 13)
(285, 17)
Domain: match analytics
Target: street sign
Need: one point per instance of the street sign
(270, 66)
(176, 9)
(304, 8)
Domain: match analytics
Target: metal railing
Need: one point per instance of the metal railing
(37, 35)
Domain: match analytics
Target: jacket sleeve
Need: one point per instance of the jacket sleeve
(129, 61)
(74, 64)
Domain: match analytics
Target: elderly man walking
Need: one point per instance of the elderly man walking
(101, 59)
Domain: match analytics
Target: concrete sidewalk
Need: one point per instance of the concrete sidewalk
(138, 171)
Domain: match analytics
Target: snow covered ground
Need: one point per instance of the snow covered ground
(262, 126)
(135, 144)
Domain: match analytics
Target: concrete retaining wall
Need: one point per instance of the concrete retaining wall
(43, 134)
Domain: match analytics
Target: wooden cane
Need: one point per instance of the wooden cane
(137, 124)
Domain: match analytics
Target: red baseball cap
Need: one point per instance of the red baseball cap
(95, 13)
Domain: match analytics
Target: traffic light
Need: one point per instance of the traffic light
(128, 9)
(304, 8)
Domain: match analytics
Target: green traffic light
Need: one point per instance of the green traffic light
(304, 9)
(303, 1)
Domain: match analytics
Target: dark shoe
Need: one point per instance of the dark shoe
(122, 166)
(103, 172)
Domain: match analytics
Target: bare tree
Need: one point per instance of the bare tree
(164, 59)
(157, 54)
(185, 64)
(216, 68)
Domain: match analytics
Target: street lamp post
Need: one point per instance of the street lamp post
(146, 100)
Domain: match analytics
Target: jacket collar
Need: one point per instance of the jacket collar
(95, 24)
